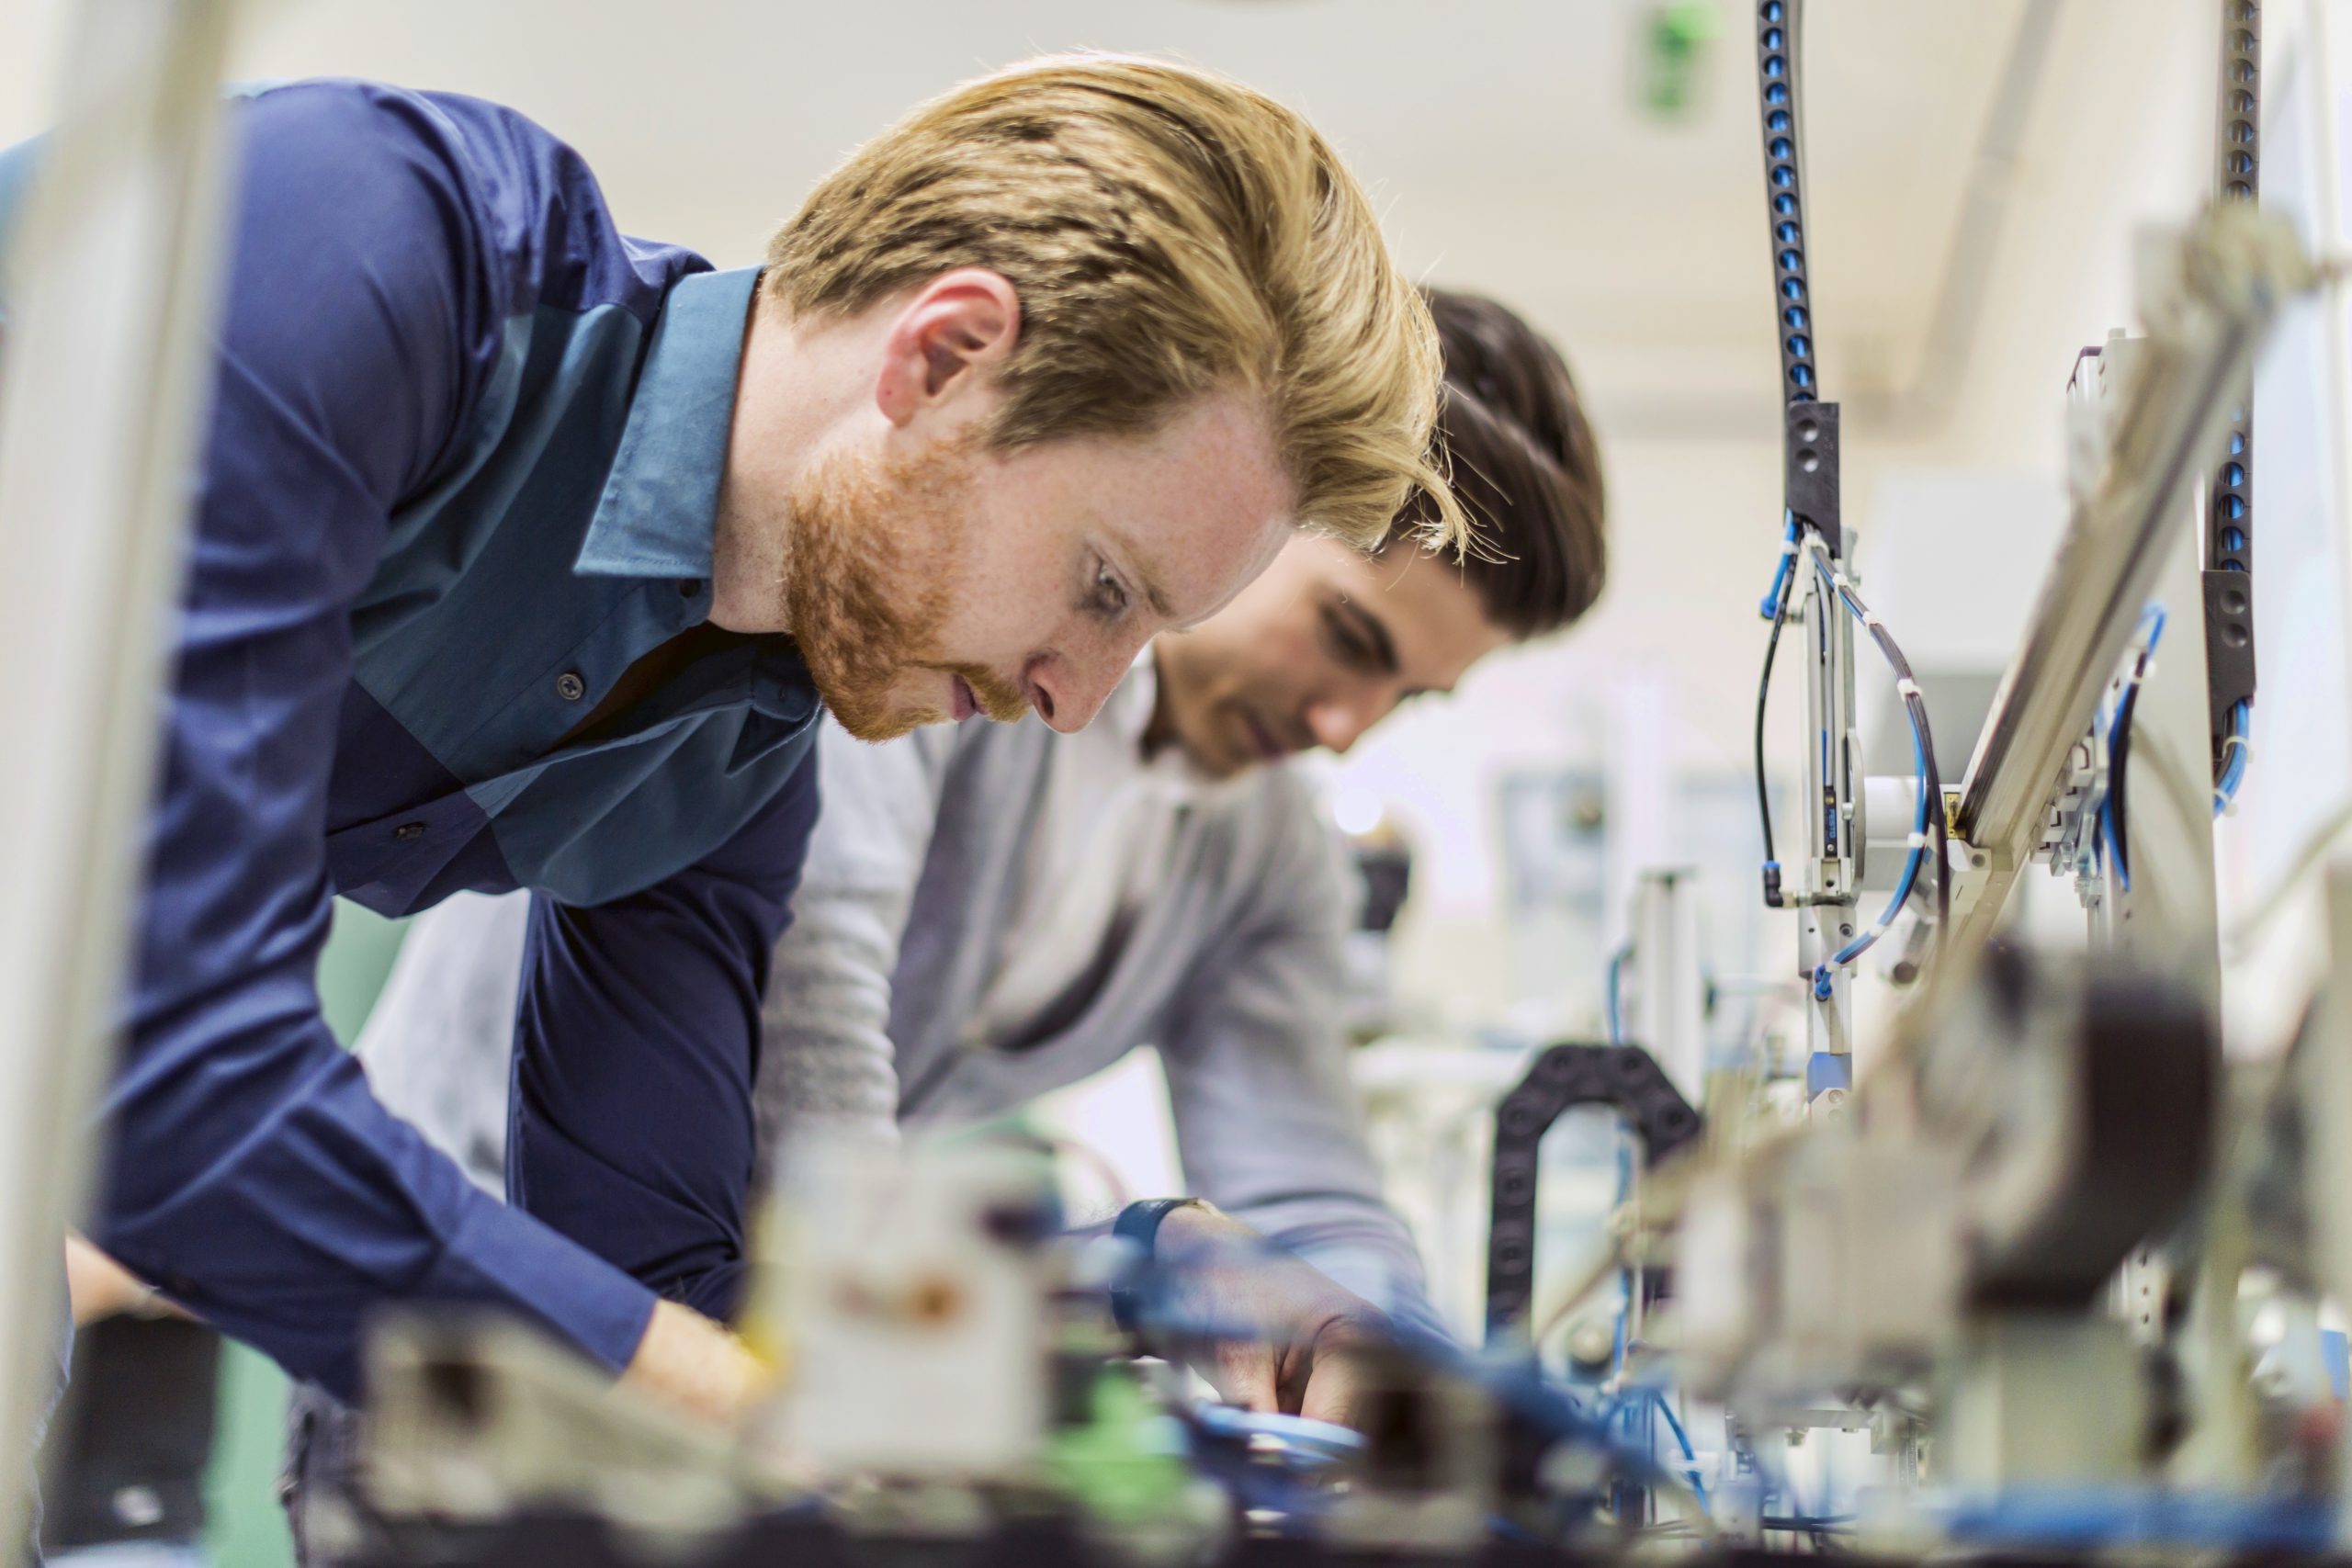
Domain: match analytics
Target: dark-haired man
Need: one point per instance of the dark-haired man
(990, 912)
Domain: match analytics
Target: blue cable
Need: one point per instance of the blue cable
(1689, 1453)
(2238, 746)
(2093, 1517)
(1770, 608)
(1302, 1436)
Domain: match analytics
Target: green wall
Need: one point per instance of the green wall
(247, 1528)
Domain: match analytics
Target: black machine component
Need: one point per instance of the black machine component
(1811, 448)
(1625, 1077)
(2228, 576)
(1809, 462)
(2087, 1095)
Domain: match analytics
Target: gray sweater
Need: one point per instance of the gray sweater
(1232, 969)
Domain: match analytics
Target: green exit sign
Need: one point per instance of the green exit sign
(1674, 39)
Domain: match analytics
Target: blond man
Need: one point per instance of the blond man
(525, 555)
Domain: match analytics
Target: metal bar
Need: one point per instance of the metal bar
(2222, 286)
(2323, 1066)
(114, 285)
(1825, 921)
(1669, 984)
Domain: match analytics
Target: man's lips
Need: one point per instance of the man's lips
(965, 704)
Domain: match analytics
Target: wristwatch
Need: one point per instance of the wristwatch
(1139, 1224)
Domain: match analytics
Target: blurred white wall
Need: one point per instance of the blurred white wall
(1509, 153)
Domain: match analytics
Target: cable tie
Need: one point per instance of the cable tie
(1906, 688)
(2230, 740)
(1916, 841)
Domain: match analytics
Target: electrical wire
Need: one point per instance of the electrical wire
(1775, 608)
(2088, 1516)
(2114, 822)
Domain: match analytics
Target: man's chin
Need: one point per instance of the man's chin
(1219, 763)
(886, 724)
(872, 712)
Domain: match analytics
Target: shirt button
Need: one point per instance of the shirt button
(408, 833)
(689, 586)
(569, 686)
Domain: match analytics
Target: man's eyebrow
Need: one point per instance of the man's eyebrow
(1375, 632)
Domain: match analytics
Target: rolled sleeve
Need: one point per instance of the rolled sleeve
(636, 1045)
(1268, 1124)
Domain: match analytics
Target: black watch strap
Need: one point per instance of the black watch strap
(1139, 1224)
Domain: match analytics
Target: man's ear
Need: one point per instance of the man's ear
(957, 329)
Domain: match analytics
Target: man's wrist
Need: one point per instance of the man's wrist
(692, 1363)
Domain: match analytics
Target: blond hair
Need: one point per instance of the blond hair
(1169, 234)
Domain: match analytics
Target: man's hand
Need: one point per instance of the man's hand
(686, 1361)
(1316, 1344)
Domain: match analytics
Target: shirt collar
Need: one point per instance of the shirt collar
(660, 501)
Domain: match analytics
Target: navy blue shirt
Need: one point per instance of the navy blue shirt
(461, 471)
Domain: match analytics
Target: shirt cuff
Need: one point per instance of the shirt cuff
(543, 1275)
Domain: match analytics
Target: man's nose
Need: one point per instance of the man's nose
(1338, 721)
(1068, 692)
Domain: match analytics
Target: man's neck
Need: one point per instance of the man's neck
(1160, 731)
(780, 418)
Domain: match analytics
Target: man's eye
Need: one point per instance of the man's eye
(1110, 594)
(1348, 642)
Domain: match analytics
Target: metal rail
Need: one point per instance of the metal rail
(113, 272)
(2227, 581)
(2224, 285)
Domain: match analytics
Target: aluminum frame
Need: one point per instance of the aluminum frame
(115, 279)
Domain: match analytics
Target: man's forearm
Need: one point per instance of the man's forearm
(1267, 1331)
